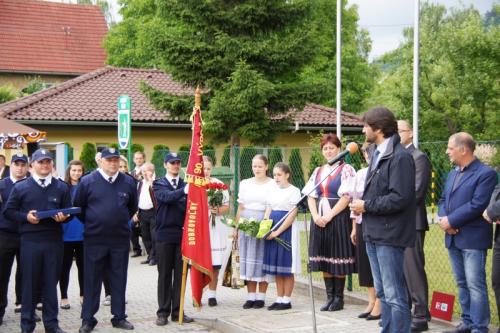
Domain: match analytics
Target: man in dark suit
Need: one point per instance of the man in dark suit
(466, 195)
(416, 279)
(492, 215)
(170, 194)
(4, 169)
(388, 208)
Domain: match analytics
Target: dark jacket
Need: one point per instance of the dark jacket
(106, 208)
(464, 206)
(389, 198)
(28, 195)
(8, 227)
(422, 180)
(494, 211)
(170, 210)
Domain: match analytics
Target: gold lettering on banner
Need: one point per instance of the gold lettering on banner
(198, 168)
(191, 232)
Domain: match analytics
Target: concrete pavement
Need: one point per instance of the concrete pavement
(228, 316)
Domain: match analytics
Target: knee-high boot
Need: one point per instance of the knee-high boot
(338, 301)
(330, 292)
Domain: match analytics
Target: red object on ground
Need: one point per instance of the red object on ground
(442, 305)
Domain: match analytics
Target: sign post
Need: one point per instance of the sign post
(124, 124)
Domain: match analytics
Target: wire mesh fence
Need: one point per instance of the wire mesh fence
(235, 164)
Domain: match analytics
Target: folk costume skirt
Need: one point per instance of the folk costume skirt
(277, 259)
(330, 248)
(251, 251)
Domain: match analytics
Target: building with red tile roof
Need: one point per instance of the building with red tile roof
(84, 109)
(53, 40)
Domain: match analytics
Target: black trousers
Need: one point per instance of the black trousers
(9, 249)
(134, 238)
(99, 260)
(71, 250)
(169, 278)
(416, 278)
(495, 272)
(41, 264)
(147, 219)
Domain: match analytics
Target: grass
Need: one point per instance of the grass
(438, 269)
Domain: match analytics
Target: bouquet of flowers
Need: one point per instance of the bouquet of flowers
(215, 196)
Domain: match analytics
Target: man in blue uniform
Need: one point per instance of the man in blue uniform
(108, 199)
(41, 239)
(170, 194)
(9, 233)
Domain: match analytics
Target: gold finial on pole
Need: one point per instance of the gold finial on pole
(197, 97)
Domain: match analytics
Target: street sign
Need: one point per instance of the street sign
(124, 121)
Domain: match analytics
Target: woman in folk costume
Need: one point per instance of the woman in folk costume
(218, 231)
(252, 201)
(330, 247)
(280, 261)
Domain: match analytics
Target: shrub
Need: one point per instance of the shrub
(87, 156)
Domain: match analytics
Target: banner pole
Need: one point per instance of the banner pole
(183, 290)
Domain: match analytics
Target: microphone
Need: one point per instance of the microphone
(351, 149)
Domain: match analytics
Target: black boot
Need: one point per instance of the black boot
(330, 290)
(338, 301)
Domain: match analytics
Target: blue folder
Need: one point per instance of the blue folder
(51, 213)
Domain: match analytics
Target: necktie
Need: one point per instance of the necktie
(374, 161)
(110, 180)
(42, 182)
(174, 183)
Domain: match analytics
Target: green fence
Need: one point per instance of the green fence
(303, 160)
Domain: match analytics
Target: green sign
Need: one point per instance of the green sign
(124, 120)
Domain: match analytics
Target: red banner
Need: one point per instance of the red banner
(196, 235)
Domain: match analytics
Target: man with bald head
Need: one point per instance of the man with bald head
(414, 264)
(466, 195)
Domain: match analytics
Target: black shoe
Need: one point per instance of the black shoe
(273, 306)
(461, 328)
(338, 301)
(55, 330)
(186, 319)
(330, 290)
(86, 328)
(37, 318)
(363, 315)
(161, 321)
(258, 304)
(136, 254)
(248, 304)
(17, 309)
(419, 326)
(337, 304)
(370, 317)
(124, 324)
(212, 301)
(284, 306)
(144, 262)
(65, 306)
(152, 263)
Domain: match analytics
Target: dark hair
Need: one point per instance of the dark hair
(2, 156)
(142, 153)
(381, 118)
(332, 138)
(67, 178)
(283, 167)
(261, 157)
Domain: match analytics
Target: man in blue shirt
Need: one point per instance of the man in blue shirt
(108, 199)
(468, 237)
(41, 239)
(9, 233)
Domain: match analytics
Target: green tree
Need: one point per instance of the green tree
(159, 152)
(255, 55)
(7, 93)
(275, 155)
(317, 159)
(459, 75)
(183, 152)
(87, 156)
(34, 85)
(297, 173)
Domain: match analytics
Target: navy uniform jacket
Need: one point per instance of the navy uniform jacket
(171, 210)
(28, 195)
(106, 208)
(7, 227)
(465, 205)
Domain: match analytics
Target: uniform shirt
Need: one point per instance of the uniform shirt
(28, 195)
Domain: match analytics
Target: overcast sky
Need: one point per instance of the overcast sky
(386, 19)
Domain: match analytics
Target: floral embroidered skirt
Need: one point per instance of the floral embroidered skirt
(330, 248)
